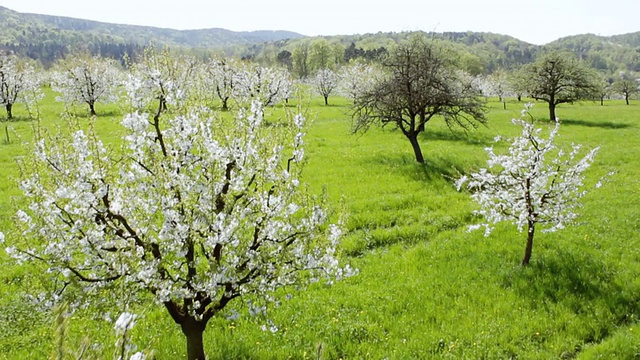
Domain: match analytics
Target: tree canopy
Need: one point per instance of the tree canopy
(421, 82)
(557, 78)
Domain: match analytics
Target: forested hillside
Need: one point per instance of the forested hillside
(609, 54)
(48, 38)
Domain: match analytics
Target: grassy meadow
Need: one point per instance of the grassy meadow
(427, 288)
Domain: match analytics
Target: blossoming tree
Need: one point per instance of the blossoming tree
(534, 183)
(221, 75)
(196, 210)
(18, 83)
(83, 79)
(269, 86)
(324, 83)
(356, 79)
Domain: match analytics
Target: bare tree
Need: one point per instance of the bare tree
(421, 82)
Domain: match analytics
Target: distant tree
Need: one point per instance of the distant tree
(604, 88)
(82, 78)
(18, 83)
(355, 79)
(221, 76)
(285, 58)
(301, 60)
(321, 55)
(162, 76)
(269, 85)
(557, 78)
(500, 85)
(352, 52)
(533, 183)
(626, 85)
(325, 82)
(420, 82)
(517, 84)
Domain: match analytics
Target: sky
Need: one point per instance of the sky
(537, 22)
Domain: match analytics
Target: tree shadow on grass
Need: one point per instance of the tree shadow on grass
(598, 124)
(435, 169)
(448, 135)
(15, 119)
(574, 280)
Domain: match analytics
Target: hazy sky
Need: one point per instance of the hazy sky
(535, 21)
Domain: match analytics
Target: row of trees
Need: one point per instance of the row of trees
(89, 80)
(421, 80)
(415, 83)
(561, 75)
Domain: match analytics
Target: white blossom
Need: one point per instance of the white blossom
(195, 210)
(325, 82)
(267, 85)
(357, 79)
(126, 321)
(533, 183)
(18, 83)
(82, 79)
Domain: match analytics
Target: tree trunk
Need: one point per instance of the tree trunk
(601, 101)
(326, 100)
(527, 250)
(626, 98)
(225, 107)
(413, 138)
(9, 114)
(504, 104)
(193, 331)
(92, 108)
(552, 111)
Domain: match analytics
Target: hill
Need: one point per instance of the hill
(605, 53)
(47, 38)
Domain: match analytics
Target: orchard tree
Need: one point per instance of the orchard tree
(626, 85)
(221, 75)
(18, 83)
(195, 210)
(162, 78)
(85, 79)
(324, 83)
(500, 87)
(604, 88)
(356, 79)
(421, 82)
(269, 85)
(533, 183)
(558, 78)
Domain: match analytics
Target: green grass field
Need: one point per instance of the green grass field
(426, 288)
